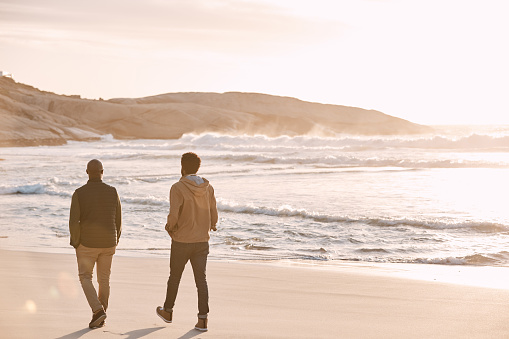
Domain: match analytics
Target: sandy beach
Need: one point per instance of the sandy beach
(41, 298)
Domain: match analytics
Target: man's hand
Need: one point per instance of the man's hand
(167, 228)
(213, 227)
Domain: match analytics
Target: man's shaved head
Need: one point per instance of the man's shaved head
(95, 168)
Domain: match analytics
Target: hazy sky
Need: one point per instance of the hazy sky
(428, 61)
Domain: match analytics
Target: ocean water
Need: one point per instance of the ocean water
(440, 198)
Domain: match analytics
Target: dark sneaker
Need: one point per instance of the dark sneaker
(97, 319)
(201, 325)
(163, 314)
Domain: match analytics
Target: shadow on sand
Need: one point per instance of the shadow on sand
(142, 332)
(76, 334)
(130, 335)
(191, 334)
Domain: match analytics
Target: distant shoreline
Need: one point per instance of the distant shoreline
(40, 142)
(32, 142)
(31, 117)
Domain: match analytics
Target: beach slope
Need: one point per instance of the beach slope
(41, 298)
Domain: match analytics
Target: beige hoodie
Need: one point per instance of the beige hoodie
(193, 211)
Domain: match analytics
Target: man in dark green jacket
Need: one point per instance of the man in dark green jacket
(95, 224)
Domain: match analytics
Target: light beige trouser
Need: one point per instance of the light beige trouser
(87, 257)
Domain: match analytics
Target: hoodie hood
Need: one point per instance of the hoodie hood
(197, 185)
(193, 210)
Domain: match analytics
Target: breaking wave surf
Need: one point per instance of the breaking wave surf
(288, 211)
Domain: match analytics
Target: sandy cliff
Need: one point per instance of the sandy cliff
(29, 116)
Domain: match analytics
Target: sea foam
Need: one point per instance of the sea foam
(288, 211)
(33, 189)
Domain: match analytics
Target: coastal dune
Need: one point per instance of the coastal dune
(29, 116)
(41, 298)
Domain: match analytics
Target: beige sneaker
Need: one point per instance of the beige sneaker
(201, 325)
(165, 315)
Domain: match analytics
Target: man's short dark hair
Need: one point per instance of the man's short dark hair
(190, 162)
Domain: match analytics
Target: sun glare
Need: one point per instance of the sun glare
(30, 306)
(472, 188)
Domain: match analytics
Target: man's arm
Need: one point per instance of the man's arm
(176, 201)
(118, 219)
(74, 221)
(213, 210)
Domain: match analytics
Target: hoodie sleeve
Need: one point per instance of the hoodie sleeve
(213, 208)
(176, 200)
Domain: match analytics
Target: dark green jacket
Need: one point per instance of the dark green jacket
(96, 215)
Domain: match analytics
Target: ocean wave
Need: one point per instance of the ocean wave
(50, 189)
(33, 189)
(23, 189)
(150, 200)
(380, 255)
(288, 211)
(372, 250)
(282, 211)
(138, 155)
(483, 259)
(472, 141)
(348, 161)
(340, 151)
(108, 138)
(480, 141)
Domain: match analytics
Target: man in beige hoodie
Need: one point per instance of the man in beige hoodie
(193, 213)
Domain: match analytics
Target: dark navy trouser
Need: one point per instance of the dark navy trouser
(180, 254)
